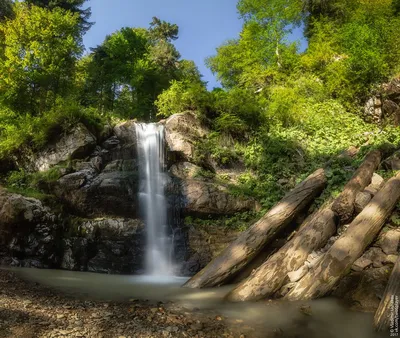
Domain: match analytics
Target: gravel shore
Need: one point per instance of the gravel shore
(28, 309)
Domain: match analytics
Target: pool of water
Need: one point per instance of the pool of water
(327, 317)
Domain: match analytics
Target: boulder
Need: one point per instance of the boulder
(109, 193)
(393, 162)
(377, 182)
(78, 143)
(207, 198)
(362, 199)
(361, 264)
(29, 232)
(389, 242)
(126, 132)
(185, 170)
(362, 290)
(182, 131)
(376, 256)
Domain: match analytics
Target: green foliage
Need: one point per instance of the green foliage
(73, 6)
(31, 184)
(37, 62)
(182, 96)
(18, 131)
(216, 149)
(6, 9)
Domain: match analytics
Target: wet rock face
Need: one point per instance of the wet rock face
(30, 233)
(111, 245)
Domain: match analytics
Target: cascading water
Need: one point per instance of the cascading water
(152, 201)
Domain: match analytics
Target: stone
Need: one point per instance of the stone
(389, 242)
(393, 162)
(362, 200)
(126, 132)
(185, 170)
(205, 198)
(361, 264)
(89, 194)
(295, 276)
(111, 143)
(76, 144)
(28, 231)
(182, 131)
(375, 255)
(391, 259)
(377, 182)
(362, 290)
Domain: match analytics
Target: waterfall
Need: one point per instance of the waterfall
(152, 201)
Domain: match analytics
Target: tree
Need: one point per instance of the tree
(6, 9)
(41, 48)
(162, 30)
(74, 6)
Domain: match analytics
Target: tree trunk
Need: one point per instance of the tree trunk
(338, 260)
(388, 311)
(344, 204)
(270, 276)
(250, 242)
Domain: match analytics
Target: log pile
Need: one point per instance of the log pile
(238, 254)
(326, 246)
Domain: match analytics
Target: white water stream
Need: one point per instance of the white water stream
(152, 201)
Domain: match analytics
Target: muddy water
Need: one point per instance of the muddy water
(324, 318)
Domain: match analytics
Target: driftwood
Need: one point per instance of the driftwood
(344, 204)
(269, 277)
(338, 260)
(239, 253)
(387, 315)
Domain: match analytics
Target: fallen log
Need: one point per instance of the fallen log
(388, 310)
(239, 253)
(338, 260)
(344, 204)
(269, 277)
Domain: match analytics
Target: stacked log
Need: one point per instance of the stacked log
(269, 277)
(238, 254)
(344, 205)
(338, 260)
(313, 235)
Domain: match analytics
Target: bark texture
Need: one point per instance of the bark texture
(344, 205)
(239, 253)
(386, 313)
(338, 260)
(269, 277)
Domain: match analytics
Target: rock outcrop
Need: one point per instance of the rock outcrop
(79, 143)
(182, 131)
(98, 189)
(30, 232)
(110, 245)
(384, 105)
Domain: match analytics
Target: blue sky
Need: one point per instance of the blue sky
(203, 25)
